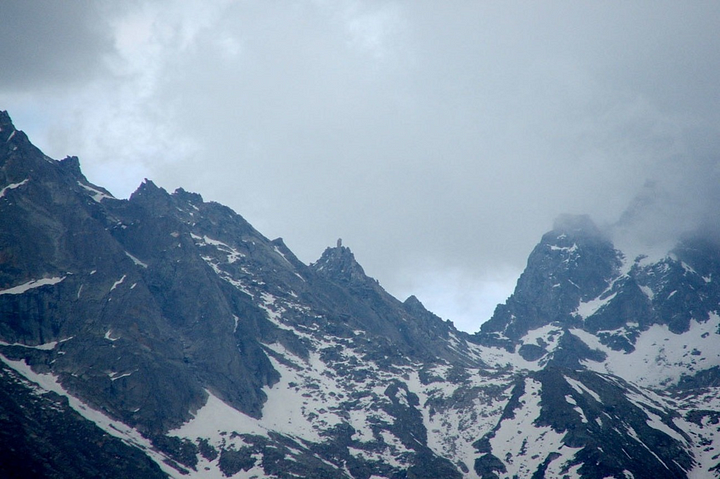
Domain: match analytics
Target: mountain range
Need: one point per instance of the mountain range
(163, 336)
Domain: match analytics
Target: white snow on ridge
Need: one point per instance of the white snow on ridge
(116, 375)
(521, 458)
(13, 186)
(588, 308)
(232, 254)
(500, 358)
(225, 276)
(291, 410)
(282, 255)
(96, 194)
(216, 417)
(634, 435)
(45, 347)
(546, 336)
(35, 283)
(648, 292)
(451, 431)
(705, 434)
(653, 420)
(632, 256)
(118, 282)
(130, 436)
(660, 356)
(304, 403)
(688, 269)
(311, 397)
(567, 249)
(582, 389)
(135, 260)
(570, 400)
(396, 449)
(497, 357)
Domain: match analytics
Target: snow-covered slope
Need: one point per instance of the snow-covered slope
(187, 344)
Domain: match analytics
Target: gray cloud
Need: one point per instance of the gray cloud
(438, 142)
(682, 195)
(47, 43)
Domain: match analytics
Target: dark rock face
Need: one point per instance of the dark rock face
(164, 336)
(170, 319)
(600, 439)
(574, 262)
(41, 436)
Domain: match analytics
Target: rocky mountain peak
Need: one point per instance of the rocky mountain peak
(72, 165)
(412, 303)
(5, 121)
(572, 263)
(148, 189)
(339, 264)
(14, 141)
(189, 197)
(152, 197)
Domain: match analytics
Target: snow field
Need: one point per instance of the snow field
(660, 356)
(523, 458)
(451, 431)
(706, 434)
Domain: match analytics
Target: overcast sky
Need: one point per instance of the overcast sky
(439, 140)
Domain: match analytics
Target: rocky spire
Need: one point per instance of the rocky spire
(5, 121)
(572, 263)
(339, 264)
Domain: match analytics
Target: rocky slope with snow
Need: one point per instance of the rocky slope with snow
(164, 336)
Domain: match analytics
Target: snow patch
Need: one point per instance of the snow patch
(570, 400)
(108, 336)
(118, 282)
(216, 417)
(35, 283)
(232, 253)
(501, 358)
(546, 336)
(12, 187)
(582, 389)
(453, 427)
(282, 255)
(567, 249)
(115, 376)
(135, 260)
(588, 308)
(648, 292)
(96, 194)
(45, 347)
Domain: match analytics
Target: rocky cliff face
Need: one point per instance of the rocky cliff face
(572, 263)
(164, 336)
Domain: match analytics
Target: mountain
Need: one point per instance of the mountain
(163, 336)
